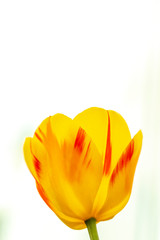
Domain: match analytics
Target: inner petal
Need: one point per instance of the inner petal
(95, 122)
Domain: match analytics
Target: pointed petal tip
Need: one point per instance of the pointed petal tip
(138, 138)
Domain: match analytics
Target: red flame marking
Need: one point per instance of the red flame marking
(89, 163)
(36, 134)
(43, 135)
(42, 194)
(79, 142)
(123, 161)
(107, 161)
(36, 163)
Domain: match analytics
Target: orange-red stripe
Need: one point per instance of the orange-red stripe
(89, 163)
(123, 161)
(36, 163)
(79, 142)
(42, 194)
(39, 138)
(108, 153)
(43, 135)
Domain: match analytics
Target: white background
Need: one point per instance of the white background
(66, 56)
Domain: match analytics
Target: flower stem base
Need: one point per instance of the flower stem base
(92, 229)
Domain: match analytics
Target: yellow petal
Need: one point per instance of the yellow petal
(111, 135)
(84, 169)
(48, 170)
(69, 168)
(29, 157)
(81, 164)
(95, 122)
(121, 180)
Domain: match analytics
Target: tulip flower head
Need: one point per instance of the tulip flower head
(84, 167)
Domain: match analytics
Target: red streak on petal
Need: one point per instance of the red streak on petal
(123, 161)
(107, 161)
(43, 135)
(36, 134)
(89, 163)
(42, 193)
(79, 142)
(36, 163)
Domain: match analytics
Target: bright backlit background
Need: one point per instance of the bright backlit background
(65, 56)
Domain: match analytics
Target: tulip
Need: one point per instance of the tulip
(84, 168)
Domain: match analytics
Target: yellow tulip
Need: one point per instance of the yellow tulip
(84, 167)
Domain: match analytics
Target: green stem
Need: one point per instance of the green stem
(91, 226)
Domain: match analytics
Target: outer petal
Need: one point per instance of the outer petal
(83, 168)
(82, 163)
(111, 135)
(121, 180)
(45, 161)
(68, 168)
(30, 160)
